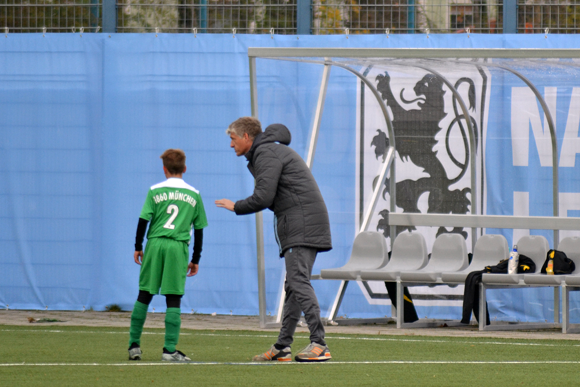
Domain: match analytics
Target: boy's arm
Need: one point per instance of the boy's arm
(141, 229)
(197, 247)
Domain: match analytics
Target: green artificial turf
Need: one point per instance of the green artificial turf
(83, 356)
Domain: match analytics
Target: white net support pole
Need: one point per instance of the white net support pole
(259, 218)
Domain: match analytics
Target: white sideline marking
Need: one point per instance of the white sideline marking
(403, 340)
(306, 337)
(91, 332)
(139, 364)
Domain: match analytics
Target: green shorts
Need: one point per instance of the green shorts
(164, 266)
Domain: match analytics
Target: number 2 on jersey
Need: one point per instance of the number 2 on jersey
(173, 210)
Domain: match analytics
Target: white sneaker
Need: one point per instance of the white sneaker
(135, 353)
(176, 356)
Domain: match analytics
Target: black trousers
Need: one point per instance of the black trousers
(471, 298)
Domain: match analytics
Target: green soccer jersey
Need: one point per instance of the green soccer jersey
(173, 207)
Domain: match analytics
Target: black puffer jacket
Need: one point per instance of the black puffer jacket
(285, 185)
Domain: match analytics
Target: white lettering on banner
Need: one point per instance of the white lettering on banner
(521, 208)
(571, 143)
(525, 113)
(568, 201)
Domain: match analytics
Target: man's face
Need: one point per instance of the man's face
(240, 144)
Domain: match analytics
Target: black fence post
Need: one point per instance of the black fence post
(303, 16)
(109, 15)
(510, 16)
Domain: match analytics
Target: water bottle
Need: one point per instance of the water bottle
(513, 261)
(550, 266)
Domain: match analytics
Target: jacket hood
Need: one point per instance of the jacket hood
(277, 133)
(273, 133)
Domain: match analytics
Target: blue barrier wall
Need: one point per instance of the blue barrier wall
(83, 120)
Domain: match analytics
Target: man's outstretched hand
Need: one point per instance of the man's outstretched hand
(225, 203)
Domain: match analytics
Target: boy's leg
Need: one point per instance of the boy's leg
(172, 321)
(138, 317)
(149, 282)
(173, 287)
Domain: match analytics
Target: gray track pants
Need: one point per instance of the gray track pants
(300, 296)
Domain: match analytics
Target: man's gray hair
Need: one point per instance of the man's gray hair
(242, 125)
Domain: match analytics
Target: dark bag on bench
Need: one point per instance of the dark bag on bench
(525, 265)
(562, 264)
(471, 291)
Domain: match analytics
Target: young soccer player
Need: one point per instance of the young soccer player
(173, 207)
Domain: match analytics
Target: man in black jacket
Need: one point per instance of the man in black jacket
(285, 185)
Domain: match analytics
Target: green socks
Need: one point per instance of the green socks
(137, 321)
(172, 328)
(172, 325)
